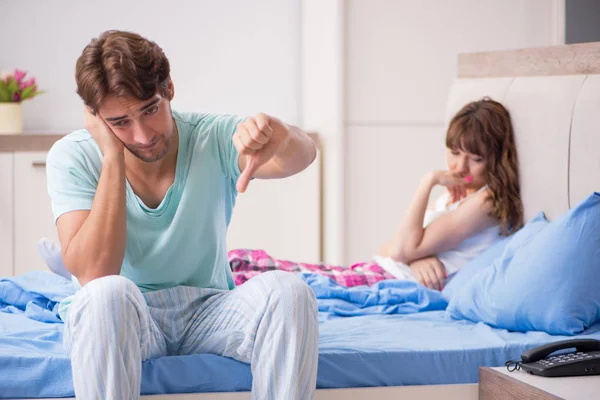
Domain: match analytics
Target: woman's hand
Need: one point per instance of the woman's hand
(455, 184)
(430, 272)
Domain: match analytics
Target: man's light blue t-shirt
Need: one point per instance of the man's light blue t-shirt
(183, 240)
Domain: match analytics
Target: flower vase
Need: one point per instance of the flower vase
(11, 119)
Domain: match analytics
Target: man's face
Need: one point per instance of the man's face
(146, 127)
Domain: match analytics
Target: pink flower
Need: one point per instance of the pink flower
(5, 76)
(19, 75)
(17, 97)
(27, 83)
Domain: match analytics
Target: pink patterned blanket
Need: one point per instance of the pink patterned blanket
(246, 264)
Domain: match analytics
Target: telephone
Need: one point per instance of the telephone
(585, 360)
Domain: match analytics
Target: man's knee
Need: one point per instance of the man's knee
(107, 294)
(113, 302)
(288, 287)
(109, 286)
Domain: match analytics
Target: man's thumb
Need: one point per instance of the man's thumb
(246, 176)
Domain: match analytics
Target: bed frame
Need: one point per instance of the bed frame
(553, 95)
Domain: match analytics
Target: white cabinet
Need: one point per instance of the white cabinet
(6, 214)
(32, 211)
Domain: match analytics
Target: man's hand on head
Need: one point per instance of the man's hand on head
(108, 142)
(257, 139)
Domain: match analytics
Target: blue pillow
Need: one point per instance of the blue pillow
(486, 258)
(551, 284)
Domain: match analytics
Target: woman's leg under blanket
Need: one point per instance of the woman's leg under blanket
(247, 264)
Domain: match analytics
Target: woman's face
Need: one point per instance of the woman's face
(464, 164)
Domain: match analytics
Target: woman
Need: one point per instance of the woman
(481, 203)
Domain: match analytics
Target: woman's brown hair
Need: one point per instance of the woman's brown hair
(484, 128)
(121, 63)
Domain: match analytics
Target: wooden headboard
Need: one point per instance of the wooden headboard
(553, 95)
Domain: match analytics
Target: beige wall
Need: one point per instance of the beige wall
(231, 56)
(400, 63)
(397, 59)
(371, 76)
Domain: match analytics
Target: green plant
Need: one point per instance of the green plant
(15, 89)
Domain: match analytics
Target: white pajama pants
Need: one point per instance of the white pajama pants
(270, 322)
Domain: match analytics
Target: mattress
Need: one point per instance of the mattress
(373, 350)
(422, 348)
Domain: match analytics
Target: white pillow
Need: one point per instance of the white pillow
(52, 256)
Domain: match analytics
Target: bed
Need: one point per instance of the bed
(379, 347)
(371, 347)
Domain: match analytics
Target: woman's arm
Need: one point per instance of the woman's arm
(429, 272)
(412, 242)
(412, 223)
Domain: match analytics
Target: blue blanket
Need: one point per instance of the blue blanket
(385, 297)
(36, 295)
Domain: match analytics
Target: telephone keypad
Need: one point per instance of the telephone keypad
(566, 358)
(544, 360)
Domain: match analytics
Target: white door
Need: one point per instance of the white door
(6, 214)
(33, 213)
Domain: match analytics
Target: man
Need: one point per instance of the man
(142, 199)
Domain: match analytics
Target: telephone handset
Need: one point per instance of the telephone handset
(585, 360)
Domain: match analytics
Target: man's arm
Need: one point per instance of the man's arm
(296, 152)
(271, 149)
(93, 242)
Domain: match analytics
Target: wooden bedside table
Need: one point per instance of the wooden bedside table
(498, 383)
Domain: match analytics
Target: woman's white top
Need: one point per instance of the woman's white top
(453, 259)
